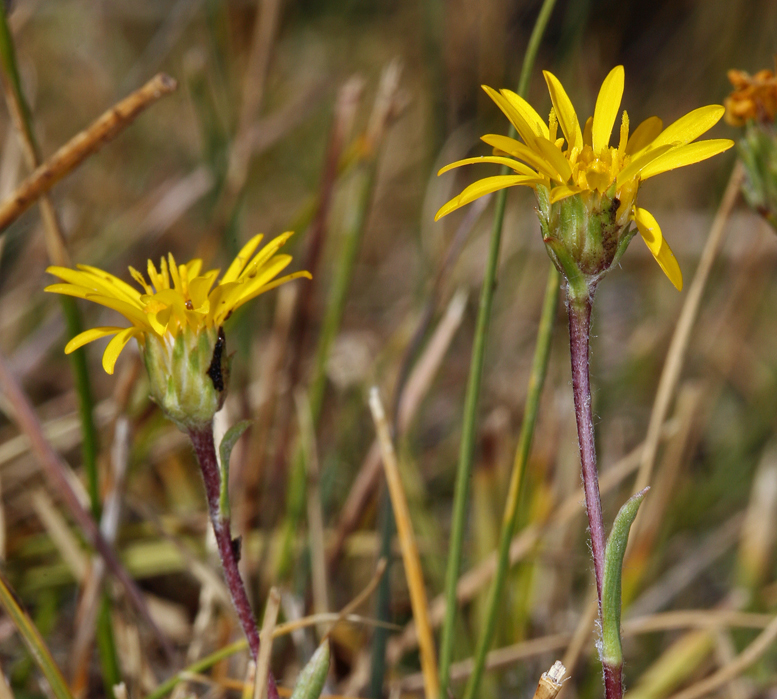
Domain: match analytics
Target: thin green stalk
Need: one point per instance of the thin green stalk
(517, 479)
(354, 230)
(89, 442)
(469, 427)
(34, 642)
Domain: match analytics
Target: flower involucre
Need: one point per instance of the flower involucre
(581, 162)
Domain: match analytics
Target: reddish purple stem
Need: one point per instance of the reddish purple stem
(579, 335)
(202, 440)
(579, 332)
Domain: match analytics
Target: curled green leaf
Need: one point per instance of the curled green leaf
(228, 442)
(612, 653)
(313, 676)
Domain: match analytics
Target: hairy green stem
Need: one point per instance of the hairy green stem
(469, 426)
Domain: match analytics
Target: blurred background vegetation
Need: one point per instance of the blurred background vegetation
(243, 147)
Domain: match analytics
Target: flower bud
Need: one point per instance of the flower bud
(188, 374)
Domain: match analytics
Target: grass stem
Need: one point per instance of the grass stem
(469, 426)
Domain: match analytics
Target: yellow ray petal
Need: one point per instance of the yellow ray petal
(115, 346)
(86, 279)
(229, 302)
(272, 285)
(199, 289)
(555, 158)
(193, 268)
(90, 336)
(109, 278)
(565, 112)
(644, 134)
(519, 150)
(69, 290)
(685, 155)
(522, 126)
(131, 313)
(527, 112)
(587, 131)
(242, 259)
(562, 192)
(651, 234)
(173, 267)
(607, 105)
(140, 279)
(633, 169)
(264, 254)
(483, 187)
(495, 159)
(691, 126)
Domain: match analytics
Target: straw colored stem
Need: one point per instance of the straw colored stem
(413, 571)
(81, 146)
(469, 425)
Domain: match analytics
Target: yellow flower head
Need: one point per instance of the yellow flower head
(178, 297)
(176, 318)
(754, 97)
(582, 162)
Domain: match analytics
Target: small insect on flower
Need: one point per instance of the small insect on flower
(177, 317)
(586, 188)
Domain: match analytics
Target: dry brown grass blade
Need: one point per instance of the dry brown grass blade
(57, 472)
(410, 557)
(682, 334)
(362, 597)
(81, 146)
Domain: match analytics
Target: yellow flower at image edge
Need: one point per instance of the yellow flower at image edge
(580, 163)
(176, 318)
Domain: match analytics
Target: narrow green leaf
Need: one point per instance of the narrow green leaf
(228, 442)
(612, 653)
(34, 642)
(313, 676)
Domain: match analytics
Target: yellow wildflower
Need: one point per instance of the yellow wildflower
(581, 163)
(176, 317)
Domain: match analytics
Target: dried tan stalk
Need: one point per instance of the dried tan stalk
(410, 557)
(81, 146)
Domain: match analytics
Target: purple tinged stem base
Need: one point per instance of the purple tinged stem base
(579, 310)
(204, 447)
